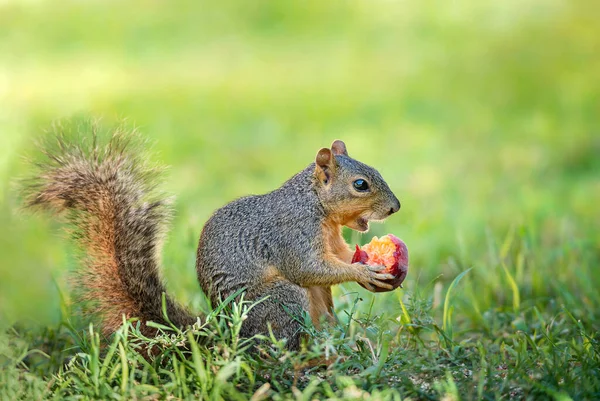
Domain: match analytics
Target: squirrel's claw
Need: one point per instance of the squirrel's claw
(374, 279)
(376, 268)
(382, 284)
(374, 284)
(384, 276)
(369, 287)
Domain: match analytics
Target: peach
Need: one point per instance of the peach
(389, 251)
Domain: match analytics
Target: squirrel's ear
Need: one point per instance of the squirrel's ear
(325, 163)
(339, 148)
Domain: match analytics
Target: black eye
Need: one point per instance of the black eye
(361, 185)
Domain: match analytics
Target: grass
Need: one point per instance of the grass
(481, 117)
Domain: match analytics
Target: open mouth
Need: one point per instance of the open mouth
(362, 224)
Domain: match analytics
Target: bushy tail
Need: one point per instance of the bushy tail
(109, 194)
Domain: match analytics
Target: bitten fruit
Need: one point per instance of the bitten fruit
(389, 251)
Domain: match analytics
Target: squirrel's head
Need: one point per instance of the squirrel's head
(351, 192)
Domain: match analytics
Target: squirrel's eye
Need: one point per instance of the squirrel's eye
(360, 185)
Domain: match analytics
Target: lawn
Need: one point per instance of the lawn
(483, 117)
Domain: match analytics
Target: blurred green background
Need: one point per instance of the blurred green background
(483, 117)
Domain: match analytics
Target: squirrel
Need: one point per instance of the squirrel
(284, 247)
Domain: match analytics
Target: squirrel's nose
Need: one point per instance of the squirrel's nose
(395, 207)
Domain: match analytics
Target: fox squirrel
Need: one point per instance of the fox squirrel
(286, 244)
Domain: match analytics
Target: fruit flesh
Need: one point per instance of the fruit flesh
(389, 251)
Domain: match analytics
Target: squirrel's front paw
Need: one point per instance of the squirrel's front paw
(371, 277)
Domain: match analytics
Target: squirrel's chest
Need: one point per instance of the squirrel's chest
(334, 244)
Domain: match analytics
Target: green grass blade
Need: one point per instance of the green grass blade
(446, 324)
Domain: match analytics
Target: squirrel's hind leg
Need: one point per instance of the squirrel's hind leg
(284, 310)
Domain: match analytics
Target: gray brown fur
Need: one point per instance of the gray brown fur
(285, 245)
(273, 244)
(108, 192)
